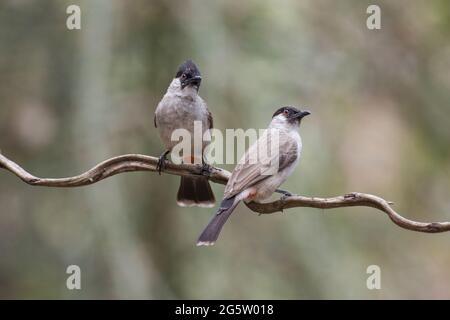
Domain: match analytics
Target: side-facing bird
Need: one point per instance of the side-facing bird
(257, 180)
(180, 107)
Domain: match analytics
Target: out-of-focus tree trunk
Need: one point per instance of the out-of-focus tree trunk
(129, 267)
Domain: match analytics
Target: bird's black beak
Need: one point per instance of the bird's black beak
(301, 114)
(194, 81)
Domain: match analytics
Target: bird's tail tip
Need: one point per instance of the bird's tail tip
(211, 233)
(190, 203)
(205, 243)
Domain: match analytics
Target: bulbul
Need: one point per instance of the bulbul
(249, 180)
(178, 109)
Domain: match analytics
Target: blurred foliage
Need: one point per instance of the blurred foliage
(381, 124)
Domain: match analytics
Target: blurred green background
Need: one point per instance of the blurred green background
(381, 124)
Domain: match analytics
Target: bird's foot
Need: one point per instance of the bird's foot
(284, 194)
(161, 165)
(207, 169)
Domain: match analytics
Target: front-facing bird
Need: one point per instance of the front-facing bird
(180, 108)
(257, 180)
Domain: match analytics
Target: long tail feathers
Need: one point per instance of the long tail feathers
(212, 230)
(195, 191)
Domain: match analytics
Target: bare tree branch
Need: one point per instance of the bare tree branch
(354, 199)
(138, 162)
(111, 167)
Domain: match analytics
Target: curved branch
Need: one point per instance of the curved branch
(111, 167)
(354, 199)
(138, 162)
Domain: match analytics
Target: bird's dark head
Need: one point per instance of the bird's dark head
(189, 75)
(290, 115)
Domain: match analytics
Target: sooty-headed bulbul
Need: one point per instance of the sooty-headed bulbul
(248, 181)
(180, 107)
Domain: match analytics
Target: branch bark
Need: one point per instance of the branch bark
(138, 162)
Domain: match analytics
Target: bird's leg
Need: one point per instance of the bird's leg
(284, 193)
(162, 161)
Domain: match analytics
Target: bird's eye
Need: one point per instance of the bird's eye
(183, 76)
(286, 112)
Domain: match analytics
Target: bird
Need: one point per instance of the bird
(258, 180)
(179, 108)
